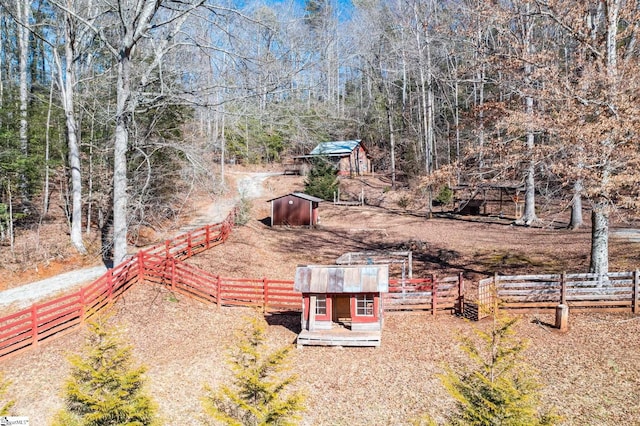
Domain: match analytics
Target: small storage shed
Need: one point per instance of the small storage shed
(295, 209)
(341, 305)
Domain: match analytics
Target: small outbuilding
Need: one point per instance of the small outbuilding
(350, 158)
(341, 305)
(295, 209)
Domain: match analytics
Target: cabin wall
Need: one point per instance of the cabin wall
(371, 322)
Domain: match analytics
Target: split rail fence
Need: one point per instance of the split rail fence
(163, 264)
(27, 328)
(612, 292)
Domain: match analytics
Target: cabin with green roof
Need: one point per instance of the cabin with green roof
(349, 157)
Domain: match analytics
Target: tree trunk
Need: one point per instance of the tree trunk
(529, 215)
(392, 143)
(45, 190)
(68, 100)
(576, 206)
(24, 8)
(121, 143)
(599, 239)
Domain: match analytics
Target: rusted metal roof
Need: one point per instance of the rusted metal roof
(342, 279)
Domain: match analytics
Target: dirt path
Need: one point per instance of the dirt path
(249, 185)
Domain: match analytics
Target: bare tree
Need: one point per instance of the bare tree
(600, 125)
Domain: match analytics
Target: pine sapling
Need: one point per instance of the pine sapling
(257, 394)
(5, 405)
(500, 389)
(104, 388)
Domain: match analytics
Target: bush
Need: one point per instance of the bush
(500, 389)
(104, 388)
(322, 180)
(445, 196)
(5, 405)
(257, 393)
(243, 211)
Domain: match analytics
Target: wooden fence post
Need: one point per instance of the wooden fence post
(218, 291)
(265, 290)
(636, 284)
(83, 306)
(434, 295)
(173, 274)
(208, 235)
(141, 271)
(460, 294)
(110, 285)
(34, 324)
(563, 288)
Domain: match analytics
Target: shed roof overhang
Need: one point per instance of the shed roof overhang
(299, 195)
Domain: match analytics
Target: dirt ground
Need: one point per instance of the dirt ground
(589, 374)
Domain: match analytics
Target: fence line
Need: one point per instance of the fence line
(163, 264)
(27, 328)
(615, 291)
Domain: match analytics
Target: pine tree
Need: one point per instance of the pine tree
(322, 180)
(501, 389)
(104, 388)
(5, 405)
(257, 394)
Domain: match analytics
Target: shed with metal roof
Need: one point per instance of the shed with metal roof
(294, 209)
(342, 304)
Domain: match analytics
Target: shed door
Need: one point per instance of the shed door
(341, 308)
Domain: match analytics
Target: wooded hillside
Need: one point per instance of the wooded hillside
(121, 109)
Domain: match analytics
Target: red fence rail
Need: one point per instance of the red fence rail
(434, 294)
(27, 328)
(59, 316)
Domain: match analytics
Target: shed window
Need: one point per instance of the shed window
(364, 305)
(321, 305)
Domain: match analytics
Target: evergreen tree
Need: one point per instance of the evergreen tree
(322, 180)
(5, 405)
(104, 388)
(257, 393)
(501, 389)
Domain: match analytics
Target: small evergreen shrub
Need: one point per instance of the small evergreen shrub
(243, 211)
(104, 388)
(445, 196)
(257, 393)
(322, 180)
(5, 405)
(501, 389)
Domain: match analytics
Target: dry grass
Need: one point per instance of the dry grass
(589, 374)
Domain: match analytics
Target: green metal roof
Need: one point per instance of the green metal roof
(335, 148)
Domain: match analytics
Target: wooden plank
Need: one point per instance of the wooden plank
(542, 277)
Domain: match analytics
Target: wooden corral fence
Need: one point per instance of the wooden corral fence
(278, 295)
(433, 294)
(57, 317)
(615, 291)
(28, 327)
